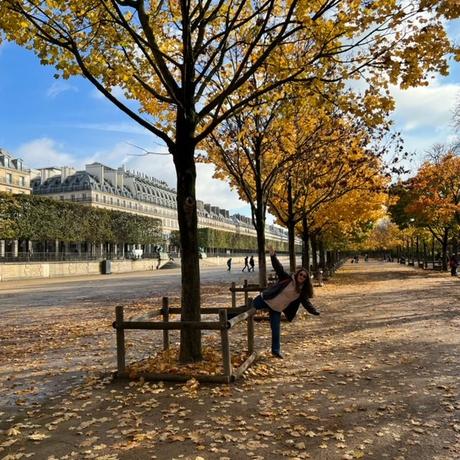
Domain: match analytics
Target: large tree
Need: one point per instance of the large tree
(182, 61)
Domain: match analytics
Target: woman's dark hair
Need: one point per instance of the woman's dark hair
(307, 285)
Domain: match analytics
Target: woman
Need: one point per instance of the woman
(285, 296)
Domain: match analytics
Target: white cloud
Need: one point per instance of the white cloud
(426, 106)
(208, 189)
(424, 114)
(59, 87)
(44, 152)
(129, 128)
(215, 191)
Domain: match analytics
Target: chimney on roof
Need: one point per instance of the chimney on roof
(66, 171)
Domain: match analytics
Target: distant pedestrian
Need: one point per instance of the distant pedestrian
(453, 265)
(158, 260)
(246, 265)
(229, 264)
(251, 263)
(366, 257)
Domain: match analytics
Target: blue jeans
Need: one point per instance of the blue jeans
(275, 323)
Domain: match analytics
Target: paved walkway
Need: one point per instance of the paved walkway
(376, 376)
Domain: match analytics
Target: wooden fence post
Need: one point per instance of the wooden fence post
(121, 359)
(250, 329)
(245, 285)
(165, 313)
(233, 294)
(225, 343)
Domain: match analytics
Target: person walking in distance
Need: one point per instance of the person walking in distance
(251, 263)
(285, 297)
(229, 264)
(245, 264)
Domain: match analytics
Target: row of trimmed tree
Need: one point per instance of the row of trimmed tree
(29, 217)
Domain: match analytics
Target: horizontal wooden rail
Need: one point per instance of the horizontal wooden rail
(241, 317)
(152, 314)
(160, 326)
(203, 311)
(246, 289)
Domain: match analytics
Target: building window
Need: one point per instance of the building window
(111, 200)
(9, 178)
(72, 197)
(62, 197)
(97, 197)
(22, 181)
(104, 199)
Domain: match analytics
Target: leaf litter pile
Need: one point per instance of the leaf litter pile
(168, 362)
(376, 376)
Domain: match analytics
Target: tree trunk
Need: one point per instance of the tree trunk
(322, 255)
(314, 253)
(445, 242)
(290, 227)
(425, 255)
(291, 243)
(260, 230)
(454, 245)
(306, 244)
(190, 339)
(258, 213)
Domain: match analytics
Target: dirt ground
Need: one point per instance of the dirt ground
(376, 376)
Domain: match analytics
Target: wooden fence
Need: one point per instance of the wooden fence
(224, 325)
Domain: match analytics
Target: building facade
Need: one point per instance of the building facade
(14, 177)
(134, 192)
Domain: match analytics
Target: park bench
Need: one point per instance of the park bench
(223, 325)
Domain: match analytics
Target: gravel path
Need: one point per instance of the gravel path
(377, 375)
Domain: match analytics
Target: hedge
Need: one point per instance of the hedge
(30, 217)
(211, 238)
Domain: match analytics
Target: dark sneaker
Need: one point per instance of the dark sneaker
(277, 354)
(312, 310)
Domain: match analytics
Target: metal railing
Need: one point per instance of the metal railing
(68, 256)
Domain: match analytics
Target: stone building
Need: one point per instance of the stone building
(134, 192)
(14, 178)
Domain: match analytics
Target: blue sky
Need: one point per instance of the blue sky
(50, 122)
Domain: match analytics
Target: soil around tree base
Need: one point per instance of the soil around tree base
(376, 376)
